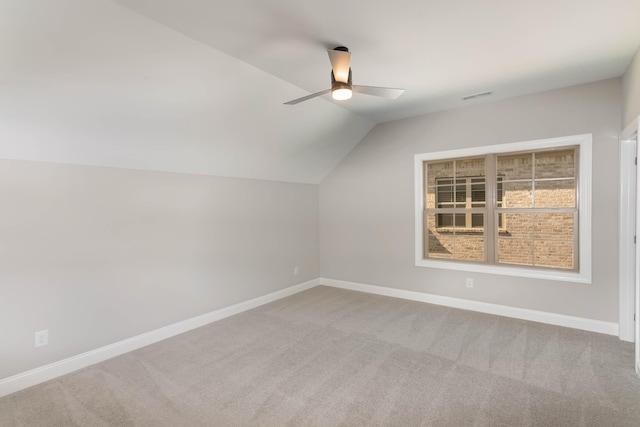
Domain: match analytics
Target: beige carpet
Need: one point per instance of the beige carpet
(331, 357)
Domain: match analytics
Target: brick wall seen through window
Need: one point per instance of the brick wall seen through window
(512, 208)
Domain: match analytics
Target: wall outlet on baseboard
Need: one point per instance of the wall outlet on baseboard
(42, 338)
(296, 270)
(469, 282)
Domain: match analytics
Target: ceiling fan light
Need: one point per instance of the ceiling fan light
(342, 94)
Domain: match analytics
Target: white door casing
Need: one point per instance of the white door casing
(629, 227)
(627, 247)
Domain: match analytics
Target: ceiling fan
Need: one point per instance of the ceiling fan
(342, 87)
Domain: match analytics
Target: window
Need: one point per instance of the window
(468, 193)
(507, 209)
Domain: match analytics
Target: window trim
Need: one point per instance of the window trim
(584, 188)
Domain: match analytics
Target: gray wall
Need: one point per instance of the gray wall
(367, 202)
(631, 91)
(97, 255)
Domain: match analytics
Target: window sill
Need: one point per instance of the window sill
(504, 270)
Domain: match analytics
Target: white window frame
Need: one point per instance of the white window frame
(583, 275)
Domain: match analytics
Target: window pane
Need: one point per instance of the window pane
(439, 244)
(515, 166)
(430, 222)
(461, 194)
(515, 251)
(430, 197)
(453, 242)
(448, 195)
(557, 226)
(554, 253)
(556, 194)
(444, 191)
(469, 247)
(478, 191)
(436, 170)
(517, 194)
(445, 220)
(470, 168)
(442, 194)
(556, 164)
(477, 220)
(518, 225)
(438, 173)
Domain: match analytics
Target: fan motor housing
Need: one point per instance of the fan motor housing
(335, 84)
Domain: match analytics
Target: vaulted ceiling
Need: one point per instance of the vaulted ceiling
(197, 86)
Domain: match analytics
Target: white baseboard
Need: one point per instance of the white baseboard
(483, 307)
(48, 372)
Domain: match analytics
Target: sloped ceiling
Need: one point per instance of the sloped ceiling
(197, 86)
(439, 50)
(91, 82)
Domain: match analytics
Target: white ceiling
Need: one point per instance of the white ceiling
(90, 82)
(197, 86)
(438, 50)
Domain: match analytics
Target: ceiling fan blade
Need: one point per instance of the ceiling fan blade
(385, 92)
(305, 98)
(340, 64)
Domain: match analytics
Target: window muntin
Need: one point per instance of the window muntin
(532, 201)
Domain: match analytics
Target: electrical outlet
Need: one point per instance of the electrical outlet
(42, 338)
(296, 270)
(469, 282)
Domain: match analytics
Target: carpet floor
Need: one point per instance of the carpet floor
(330, 357)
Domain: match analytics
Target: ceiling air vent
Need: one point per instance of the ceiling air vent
(476, 95)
